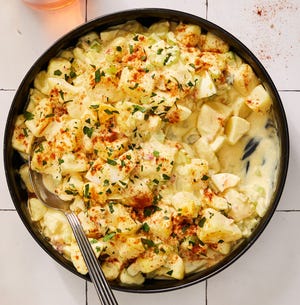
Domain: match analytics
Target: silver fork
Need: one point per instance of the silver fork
(102, 287)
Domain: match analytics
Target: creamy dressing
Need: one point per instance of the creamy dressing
(257, 165)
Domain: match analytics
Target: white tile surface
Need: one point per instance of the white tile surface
(5, 101)
(31, 32)
(28, 275)
(269, 273)
(270, 28)
(194, 295)
(96, 8)
(291, 193)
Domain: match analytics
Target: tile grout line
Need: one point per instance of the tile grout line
(288, 210)
(206, 9)
(86, 6)
(7, 210)
(86, 292)
(206, 296)
(288, 90)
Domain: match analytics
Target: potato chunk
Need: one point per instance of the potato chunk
(245, 79)
(236, 127)
(218, 227)
(259, 99)
(213, 43)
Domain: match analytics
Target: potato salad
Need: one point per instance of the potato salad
(164, 140)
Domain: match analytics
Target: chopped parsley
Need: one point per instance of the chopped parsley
(156, 181)
(28, 116)
(98, 75)
(185, 227)
(190, 84)
(166, 177)
(202, 222)
(147, 243)
(40, 148)
(204, 178)
(57, 72)
(62, 94)
(156, 153)
(111, 162)
(106, 182)
(88, 131)
(111, 207)
(109, 236)
(170, 272)
(145, 227)
(86, 193)
(95, 106)
(25, 131)
(71, 192)
(110, 112)
(73, 74)
(138, 108)
(130, 48)
(148, 211)
(167, 58)
(134, 87)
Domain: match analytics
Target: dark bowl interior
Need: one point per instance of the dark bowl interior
(12, 160)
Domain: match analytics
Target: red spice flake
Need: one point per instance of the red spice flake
(270, 9)
(263, 54)
(267, 15)
(208, 194)
(142, 200)
(259, 12)
(110, 136)
(173, 116)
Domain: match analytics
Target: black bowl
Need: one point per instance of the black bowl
(12, 160)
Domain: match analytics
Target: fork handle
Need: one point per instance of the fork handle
(103, 289)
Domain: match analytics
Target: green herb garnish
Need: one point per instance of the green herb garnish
(147, 243)
(202, 222)
(28, 115)
(111, 162)
(145, 227)
(88, 131)
(109, 236)
(57, 72)
(166, 177)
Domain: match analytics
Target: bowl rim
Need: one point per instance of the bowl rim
(101, 23)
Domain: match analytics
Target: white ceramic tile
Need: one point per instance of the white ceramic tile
(27, 33)
(28, 275)
(270, 28)
(269, 273)
(291, 193)
(5, 102)
(98, 8)
(193, 295)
